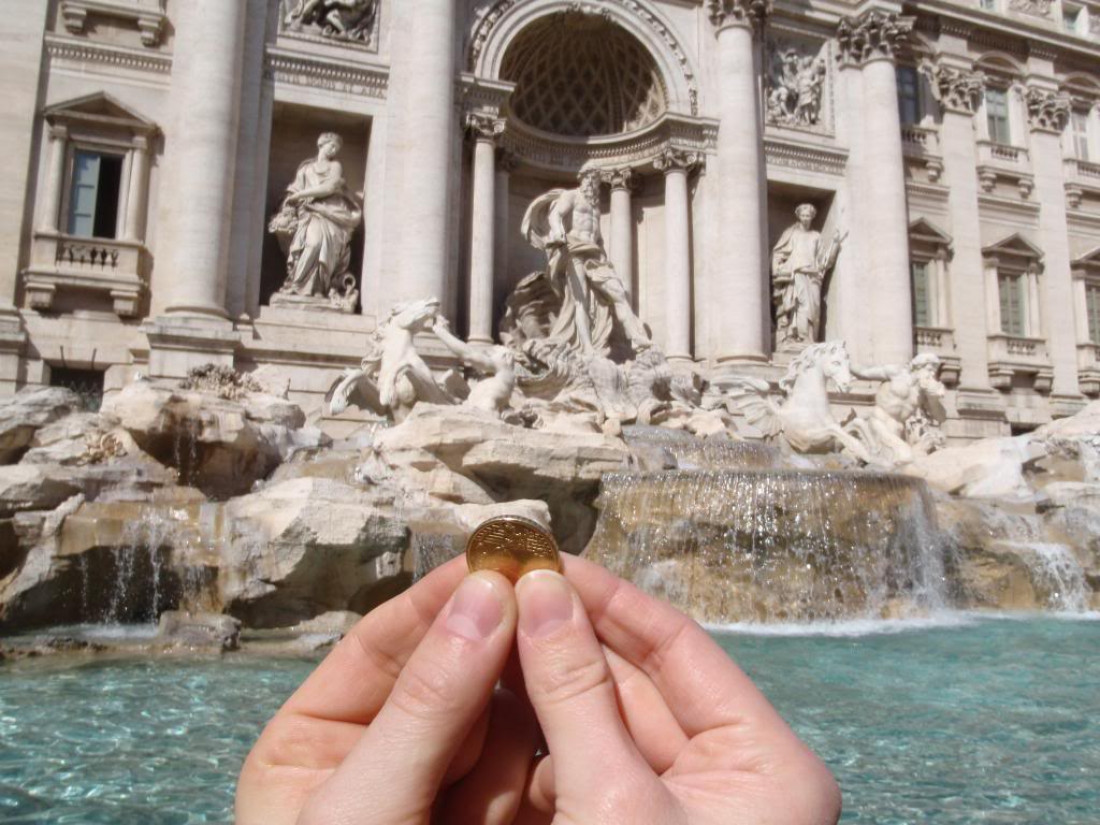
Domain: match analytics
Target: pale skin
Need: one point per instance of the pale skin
(644, 717)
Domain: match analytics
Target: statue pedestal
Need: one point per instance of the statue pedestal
(310, 303)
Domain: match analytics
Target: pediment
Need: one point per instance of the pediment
(924, 230)
(1015, 245)
(1090, 260)
(100, 109)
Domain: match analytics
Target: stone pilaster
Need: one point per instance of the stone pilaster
(202, 149)
(958, 91)
(134, 225)
(881, 210)
(485, 130)
(423, 138)
(49, 217)
(676, 165)
(739, 307)
(621, 244)
(1047, 113)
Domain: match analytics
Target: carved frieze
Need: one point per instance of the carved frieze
(956, 90)
(147, 15)
(1038, 8)
(753, 12)
(872, 34)
(795, 84)
(350, 21)
(340, 77)
(1047, 110)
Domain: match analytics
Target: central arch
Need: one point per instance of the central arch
(506, 23)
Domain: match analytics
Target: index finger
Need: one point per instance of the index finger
(702, 686)
(354, 680)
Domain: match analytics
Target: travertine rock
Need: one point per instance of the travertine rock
(509, 462)
(31, 487)
(22, 415)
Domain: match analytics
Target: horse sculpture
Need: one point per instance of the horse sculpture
(804, 419)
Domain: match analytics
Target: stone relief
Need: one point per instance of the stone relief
(954, 89)
(1039, 8)
(795, 85)
(314, 227)
(351, 20)
(905, 421)
(800, 264)
(1048, 110)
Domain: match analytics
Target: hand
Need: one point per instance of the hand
(397, 714)
(654, 725)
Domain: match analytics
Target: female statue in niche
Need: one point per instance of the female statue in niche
(314, 228)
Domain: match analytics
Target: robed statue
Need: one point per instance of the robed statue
(800, 262)
(314, 227)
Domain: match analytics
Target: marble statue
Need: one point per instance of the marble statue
(800, 263)
(393, 377)
(590, 300)
(314, 227)
(803, 419)
(496, 366)
(904, 422)
(795, 85)
(342, 19)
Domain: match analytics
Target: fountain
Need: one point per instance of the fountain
(774, 544)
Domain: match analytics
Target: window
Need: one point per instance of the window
(1079, 126)
(1013, 309)
(1092, 305)
(93, 196)
(922, 298)
(908, 95)
(996, 112)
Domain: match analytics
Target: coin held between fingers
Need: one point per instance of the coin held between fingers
(512, 546)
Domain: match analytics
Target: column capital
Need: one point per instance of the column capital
(484, 126)
(59, 131)
(1047, 110)
(140, 143)
(749, 13)
(875, 34)
(677, 160)
(956, 90)
(624, 177)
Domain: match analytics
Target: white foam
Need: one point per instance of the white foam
(849, 627)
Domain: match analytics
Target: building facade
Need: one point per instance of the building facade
(950, 149)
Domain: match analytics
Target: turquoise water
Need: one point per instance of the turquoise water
(986, 721)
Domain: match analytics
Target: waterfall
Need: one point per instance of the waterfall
(1056, 569)
(774, 544)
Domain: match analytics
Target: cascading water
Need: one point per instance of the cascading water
(774, 545)
(1058, 569)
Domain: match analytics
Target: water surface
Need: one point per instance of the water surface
(958, 721)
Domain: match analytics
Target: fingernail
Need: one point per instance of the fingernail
(545, 602)
(476, 610)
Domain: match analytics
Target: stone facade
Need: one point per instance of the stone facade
(953, 146)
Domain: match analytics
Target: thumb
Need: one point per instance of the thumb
(571, 689)
(393, 774)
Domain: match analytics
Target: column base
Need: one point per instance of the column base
(178, 344)
(13, 342)
(197, 309)
(746, 366)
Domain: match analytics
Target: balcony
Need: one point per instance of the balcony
(940, 341)
(1012, 357)
(116, 268)
(1088, 368)
(922, 145)
(1000, 162)
(1082, 178)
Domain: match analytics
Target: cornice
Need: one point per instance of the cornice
(366, 80)
(70, 49)
(791, 155)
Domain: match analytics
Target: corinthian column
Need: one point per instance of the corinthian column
(676, 165)
(425, 131)
(621, 246)
(1047, 114)
(485, 129)
(739, 309)
(871, 39)
(959, 93)
(205, 96)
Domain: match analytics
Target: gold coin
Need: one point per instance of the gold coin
(512, 545)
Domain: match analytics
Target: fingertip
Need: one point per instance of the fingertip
(545, 601)
(482, 604)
